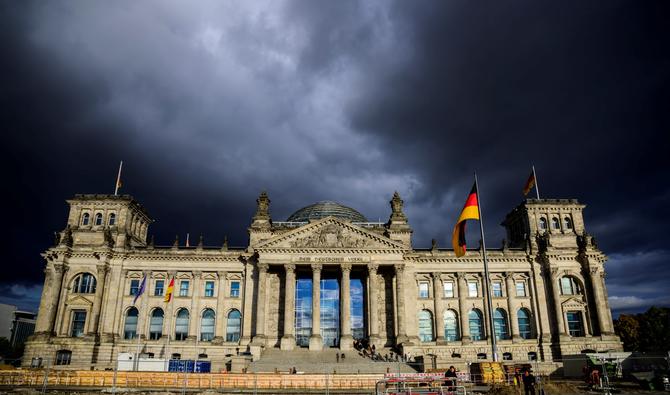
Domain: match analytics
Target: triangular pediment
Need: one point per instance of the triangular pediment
(79, 301)
(572, 303)
(331, 233)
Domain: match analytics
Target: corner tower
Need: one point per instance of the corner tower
(113, 220)
(558, 220)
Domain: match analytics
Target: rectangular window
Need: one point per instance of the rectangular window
(78, 323)
(448, 289)
(158, 289)
(134, 287)
(575, 324)
(183, 288)
(520, 288)
(497, 290)
(234, 289)
(209, 289)
(423, 290)
(472, 289)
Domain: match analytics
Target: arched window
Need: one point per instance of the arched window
(85, 219)
(130, 328)
(476, 328)
(233, 326)
(567, 223)
(156, 324)
(523, 317)
(112, 219)
(507, 356)
(181, 325)
(425, 326)
(63, 357)
(570, 286)
(98, 219)
(543, 223)
(207, 325)
(451, 332)
(84, 283)
(500, 324)
(555, 224)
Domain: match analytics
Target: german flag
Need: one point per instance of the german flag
(529, 184)
(168, 293)
(470, 211)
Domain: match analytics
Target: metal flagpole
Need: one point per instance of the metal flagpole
(537, 189)
(118, 178)
(487, 280)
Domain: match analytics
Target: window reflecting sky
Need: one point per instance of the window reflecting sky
(330, 310)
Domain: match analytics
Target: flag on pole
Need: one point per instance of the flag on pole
(470, 211)
(119, 184)
(140, 291)
(529, 184)
(168, 293)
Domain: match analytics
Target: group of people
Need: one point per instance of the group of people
(367, 350)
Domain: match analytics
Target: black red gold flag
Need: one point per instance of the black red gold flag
(470, 211)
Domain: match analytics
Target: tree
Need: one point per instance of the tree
(655, 329)
(628, 329)
(649, 331)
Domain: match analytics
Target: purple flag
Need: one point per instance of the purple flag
(141, 290)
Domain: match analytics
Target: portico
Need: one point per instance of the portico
(332, 314)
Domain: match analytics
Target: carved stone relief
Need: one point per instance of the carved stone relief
(330, 235)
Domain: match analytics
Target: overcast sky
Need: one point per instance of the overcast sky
(208, 103)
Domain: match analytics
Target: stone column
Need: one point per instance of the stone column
(193, 327)
(259, 339)
(539, 295)
(61, 305)
(373, 295)
(560, 322)
(219, 332)
(247, 302)
(511, 309)
(46, 319)
(315, 340)
(100, 288)
(463, 307)
(346, 340)
(438, 295)
(288, 339)
(400, 290)
(604, 322)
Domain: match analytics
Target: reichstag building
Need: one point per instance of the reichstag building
(320, 279)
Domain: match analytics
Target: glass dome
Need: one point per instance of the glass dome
(324, 209)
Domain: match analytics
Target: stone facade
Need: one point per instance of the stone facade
(547, 287)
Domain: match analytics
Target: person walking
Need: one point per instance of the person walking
(528, 383)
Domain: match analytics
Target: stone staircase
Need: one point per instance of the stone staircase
(325, 361)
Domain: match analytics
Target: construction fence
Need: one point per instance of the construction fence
(171, 380)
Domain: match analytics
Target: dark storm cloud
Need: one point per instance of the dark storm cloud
(347, 101)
